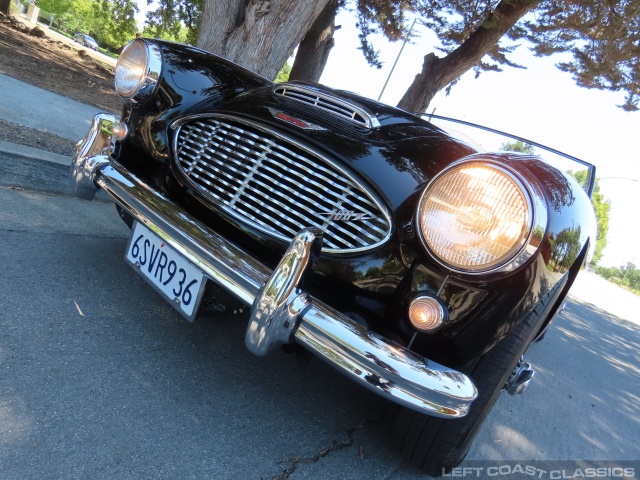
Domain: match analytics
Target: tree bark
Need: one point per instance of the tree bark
(5, 7)
(313, 51)
(437, 73)
(257, 34)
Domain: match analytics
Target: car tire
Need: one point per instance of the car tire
(437, 445)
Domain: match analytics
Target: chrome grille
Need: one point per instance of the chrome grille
(276, 185)
(327, 103)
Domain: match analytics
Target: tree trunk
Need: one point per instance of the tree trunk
(313, 51)
(257, 34)
(5, 7)
(437, 73)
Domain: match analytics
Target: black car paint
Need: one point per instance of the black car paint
(397, 160)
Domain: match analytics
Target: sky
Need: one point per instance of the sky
(540, 103)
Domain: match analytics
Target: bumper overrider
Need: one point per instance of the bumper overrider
(282, 311)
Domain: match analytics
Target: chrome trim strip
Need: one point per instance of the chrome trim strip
(328, 103)
(278, 149)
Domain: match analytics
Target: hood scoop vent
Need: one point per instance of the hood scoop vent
(327, 103)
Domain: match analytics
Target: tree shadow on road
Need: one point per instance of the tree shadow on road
(584, 402)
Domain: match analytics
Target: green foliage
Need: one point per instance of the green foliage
(110, 22)
(56, 7)
(601, 37)
(627, 276)
(178, 33)
(602, 208)
(518, 146)
(283, 74)
(177, 20)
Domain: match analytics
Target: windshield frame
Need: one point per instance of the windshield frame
(591, 179)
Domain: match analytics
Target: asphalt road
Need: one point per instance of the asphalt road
(99, 378)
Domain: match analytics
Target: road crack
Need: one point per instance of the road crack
(335, 446)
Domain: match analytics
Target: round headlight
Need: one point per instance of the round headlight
(138, 70)
(475, 217)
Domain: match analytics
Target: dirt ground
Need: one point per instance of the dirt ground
(56, 67)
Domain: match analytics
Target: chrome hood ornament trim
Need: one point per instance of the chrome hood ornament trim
(328, 103)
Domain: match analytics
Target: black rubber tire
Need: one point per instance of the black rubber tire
(437, 445)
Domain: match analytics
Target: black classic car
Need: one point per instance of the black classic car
(415, 264)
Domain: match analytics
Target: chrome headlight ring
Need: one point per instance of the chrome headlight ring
(464, 234)
(138, 71)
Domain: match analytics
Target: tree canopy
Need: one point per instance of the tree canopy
(177, 20)
(111, 22)
(600, 40)
(518, 146)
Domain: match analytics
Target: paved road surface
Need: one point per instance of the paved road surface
(100, 378)
(45, 111)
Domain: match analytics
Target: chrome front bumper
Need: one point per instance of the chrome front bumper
(281, 309)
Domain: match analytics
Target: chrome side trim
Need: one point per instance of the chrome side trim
(328, 103)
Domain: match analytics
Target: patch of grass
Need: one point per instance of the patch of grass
(61, 32)
(108, 53)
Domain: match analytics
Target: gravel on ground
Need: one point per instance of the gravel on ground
(14, 133)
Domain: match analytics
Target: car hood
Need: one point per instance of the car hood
(396, 158)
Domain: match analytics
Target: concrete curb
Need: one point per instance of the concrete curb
(34, 169)
(33, 153)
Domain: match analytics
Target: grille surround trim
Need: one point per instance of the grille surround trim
(367, 195)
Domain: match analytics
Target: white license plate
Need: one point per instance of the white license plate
(177, 279)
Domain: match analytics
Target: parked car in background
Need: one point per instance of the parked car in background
(86, 41)
(414, 262)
